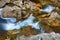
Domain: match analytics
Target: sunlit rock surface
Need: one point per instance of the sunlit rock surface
(2, 3)
(49, 19)
(42, 36)
(14, 12)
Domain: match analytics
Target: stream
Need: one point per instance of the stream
(9, 23)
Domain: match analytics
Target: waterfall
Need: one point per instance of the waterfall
(11, 25)
(10, 22)
(48, 9)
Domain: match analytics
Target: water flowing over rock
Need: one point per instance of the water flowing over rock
(42, 36)
(21, 10)
(15, 14)
(2, 3)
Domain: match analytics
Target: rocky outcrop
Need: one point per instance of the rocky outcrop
(43, 36)
(16, 9)
(3, 2)
(21, 9)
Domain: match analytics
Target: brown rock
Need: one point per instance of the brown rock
(2, 3)
(7, 1)
(14, 12)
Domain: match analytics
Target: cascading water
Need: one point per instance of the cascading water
(11, 25)
(10, 22)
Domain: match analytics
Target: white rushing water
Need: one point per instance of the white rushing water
(10, 25)
(48, 9)
(29, 21)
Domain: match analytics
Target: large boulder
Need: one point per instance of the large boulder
(3, 2)
(15, 12)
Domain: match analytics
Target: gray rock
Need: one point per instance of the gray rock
(43, 36)
(3, 2)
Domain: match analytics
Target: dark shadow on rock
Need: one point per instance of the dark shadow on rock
(3, 20)
(2, 28)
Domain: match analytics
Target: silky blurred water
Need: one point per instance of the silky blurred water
(9, 23)
(48, 9)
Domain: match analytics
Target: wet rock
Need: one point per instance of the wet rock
(43, 36)
(15, 12)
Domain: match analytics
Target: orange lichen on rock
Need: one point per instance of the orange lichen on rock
(37, 6)
(28, 31)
